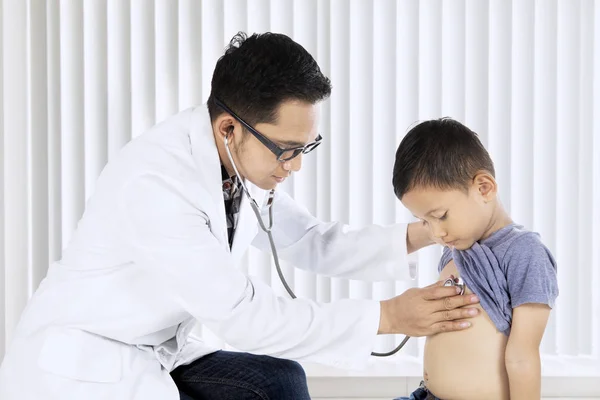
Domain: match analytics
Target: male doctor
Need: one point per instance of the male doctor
(157, 247)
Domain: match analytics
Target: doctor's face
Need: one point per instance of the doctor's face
(296, 126)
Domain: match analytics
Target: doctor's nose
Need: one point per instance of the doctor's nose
(294, 165)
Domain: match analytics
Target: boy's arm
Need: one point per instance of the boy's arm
(522, 356)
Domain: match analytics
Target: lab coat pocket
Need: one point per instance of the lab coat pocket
(82, 356)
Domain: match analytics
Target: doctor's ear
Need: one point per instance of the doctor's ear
(229, 131)
(226, 127)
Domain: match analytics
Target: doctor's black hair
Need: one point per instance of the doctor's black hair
(259, 72)
(440, 153)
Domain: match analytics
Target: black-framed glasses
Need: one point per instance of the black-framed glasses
(282, 154)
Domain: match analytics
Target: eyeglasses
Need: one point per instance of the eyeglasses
(282, 154)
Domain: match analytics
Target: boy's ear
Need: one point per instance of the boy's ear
(486, 185)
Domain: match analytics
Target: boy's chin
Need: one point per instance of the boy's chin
(462, 245)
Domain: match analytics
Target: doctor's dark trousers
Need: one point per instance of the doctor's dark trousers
(228, 375)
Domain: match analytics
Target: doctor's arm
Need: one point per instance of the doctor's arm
(169, 235)
(417, 237)
(373, 253)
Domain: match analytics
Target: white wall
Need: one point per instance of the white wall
(80, 78)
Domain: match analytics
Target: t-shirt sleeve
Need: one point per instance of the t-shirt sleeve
(530, 272)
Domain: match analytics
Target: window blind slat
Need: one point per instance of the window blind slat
(595, 210)
(143, 70)
(544, 139)
(166, 56)
(72, 116)
(38, 144)
(54, 132)
(522, 113)
(95, 98)
(16, 205)
(119, 70)
(567, 170)
(340, 123)
(190, 53)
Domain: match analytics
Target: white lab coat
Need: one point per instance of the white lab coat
(150, 257)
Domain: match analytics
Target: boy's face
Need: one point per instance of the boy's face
(455, 218)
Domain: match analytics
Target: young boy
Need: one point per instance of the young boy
(445, 177)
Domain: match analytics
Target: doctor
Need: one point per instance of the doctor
(157, 247)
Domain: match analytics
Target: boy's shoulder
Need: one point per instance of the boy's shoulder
(526, 248)
(509, 245)
(512, 235)
(514, 243)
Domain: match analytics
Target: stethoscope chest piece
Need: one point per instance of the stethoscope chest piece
(456, 282)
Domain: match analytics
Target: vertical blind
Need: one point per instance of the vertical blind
(80, 78)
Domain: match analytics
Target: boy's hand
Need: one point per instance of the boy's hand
(427, 311)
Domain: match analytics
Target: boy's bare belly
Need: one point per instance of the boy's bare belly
(467, 364)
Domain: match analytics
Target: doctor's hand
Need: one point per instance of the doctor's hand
(427, 311)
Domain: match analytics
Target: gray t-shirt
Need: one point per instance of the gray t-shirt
(510, 268)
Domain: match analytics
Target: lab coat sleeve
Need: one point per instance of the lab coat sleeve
(373, 253)
(169, 235)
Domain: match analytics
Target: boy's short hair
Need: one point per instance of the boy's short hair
(440, 153)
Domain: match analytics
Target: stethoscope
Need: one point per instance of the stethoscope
(268, 227)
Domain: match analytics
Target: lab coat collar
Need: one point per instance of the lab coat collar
(206, 157)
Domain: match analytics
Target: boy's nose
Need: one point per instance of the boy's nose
(438, 233)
